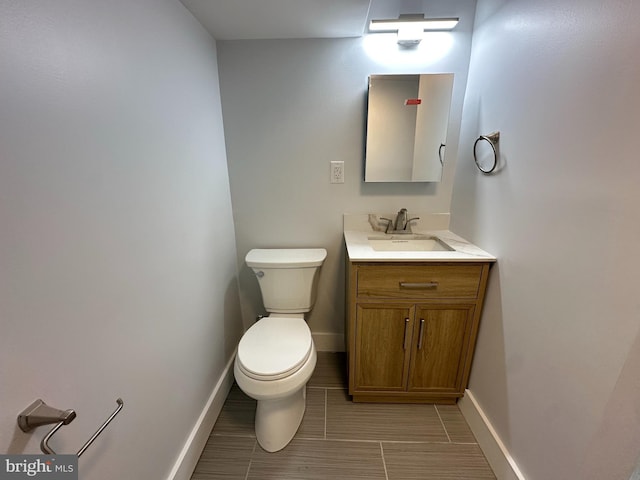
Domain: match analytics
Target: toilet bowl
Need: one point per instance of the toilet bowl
(273, 366)
(276, 356)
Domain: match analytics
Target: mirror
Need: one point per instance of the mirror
(407, 121)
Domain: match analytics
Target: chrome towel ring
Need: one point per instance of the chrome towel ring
(493, 139)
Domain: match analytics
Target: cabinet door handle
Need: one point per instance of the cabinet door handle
(420, 335)
(419, 285)
(406, 331)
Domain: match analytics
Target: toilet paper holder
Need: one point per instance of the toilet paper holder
(39, 413)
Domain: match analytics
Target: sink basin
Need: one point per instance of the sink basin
(408, 243)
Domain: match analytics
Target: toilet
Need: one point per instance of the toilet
(276, 356)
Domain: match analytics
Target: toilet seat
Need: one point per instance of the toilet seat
(274, 348)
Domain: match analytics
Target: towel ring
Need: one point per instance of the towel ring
(493, 139)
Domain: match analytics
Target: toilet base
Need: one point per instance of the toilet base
(278, 420)
(281, 403)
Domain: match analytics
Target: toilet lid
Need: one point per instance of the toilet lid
(274, 347)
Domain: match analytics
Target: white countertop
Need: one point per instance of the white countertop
(356, 236)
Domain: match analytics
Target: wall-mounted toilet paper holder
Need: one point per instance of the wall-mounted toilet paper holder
(39, 413)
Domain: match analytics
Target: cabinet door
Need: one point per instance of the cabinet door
(441, 343)
(383, 346)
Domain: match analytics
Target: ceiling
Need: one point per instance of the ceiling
(263, 19)
(272, 19)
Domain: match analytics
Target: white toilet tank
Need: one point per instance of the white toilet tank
(288, 277)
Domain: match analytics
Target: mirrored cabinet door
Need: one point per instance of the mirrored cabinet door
(407, 120)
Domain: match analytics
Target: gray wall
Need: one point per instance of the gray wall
(117, 251)
(292, 106)
(556, 367)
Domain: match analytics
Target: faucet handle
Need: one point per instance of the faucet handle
(389, 224)
(407, 226)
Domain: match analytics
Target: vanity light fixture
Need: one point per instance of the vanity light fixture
(410, 27)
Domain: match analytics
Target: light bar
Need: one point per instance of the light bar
(426, 24)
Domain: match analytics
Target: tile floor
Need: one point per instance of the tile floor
(339, 439)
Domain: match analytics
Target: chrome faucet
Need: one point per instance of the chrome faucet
(402, 223)
(401, 220)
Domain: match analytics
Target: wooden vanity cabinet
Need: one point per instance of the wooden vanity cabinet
(411, 329)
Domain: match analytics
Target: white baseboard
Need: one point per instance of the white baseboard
(503, 465)
(190, 454)
(328, 342)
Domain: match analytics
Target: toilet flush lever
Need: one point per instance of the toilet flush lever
(259, 274)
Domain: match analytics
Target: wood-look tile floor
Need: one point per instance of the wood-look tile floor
(339, 439)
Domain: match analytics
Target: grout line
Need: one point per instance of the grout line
(255, 444)
(326, 407)
(384, 464)
(317, 387)
(443, 425)
(417, 442)
(363, 440)
(400, 442)
(234, 435)
(366, 440)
